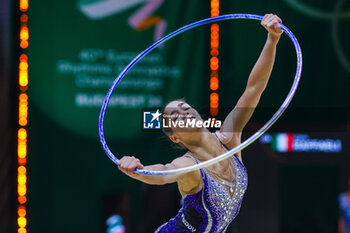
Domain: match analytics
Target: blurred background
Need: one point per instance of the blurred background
(59, 58)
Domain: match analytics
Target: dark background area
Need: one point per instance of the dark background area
(74, 187)
(8, 51)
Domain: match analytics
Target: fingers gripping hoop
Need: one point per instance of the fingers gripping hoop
(238, 148)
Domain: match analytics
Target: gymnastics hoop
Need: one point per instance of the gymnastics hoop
(238, 148)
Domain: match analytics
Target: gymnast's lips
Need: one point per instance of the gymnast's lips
(191, 117)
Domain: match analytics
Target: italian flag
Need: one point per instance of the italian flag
(282, 142)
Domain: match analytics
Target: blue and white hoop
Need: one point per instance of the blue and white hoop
(238, 148)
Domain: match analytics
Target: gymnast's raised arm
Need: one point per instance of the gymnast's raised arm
(187, 181)
(231, 130)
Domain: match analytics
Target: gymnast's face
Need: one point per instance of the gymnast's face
(179, 111)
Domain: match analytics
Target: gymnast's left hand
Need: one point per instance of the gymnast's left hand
(128, 164)
(271, 23)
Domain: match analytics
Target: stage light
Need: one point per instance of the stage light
(214, 52)
(23, 57)
(24, 33)
(22, 170)
(22, 230)
(22, 200)
(24, 18)
(22, 189)
(214, 83)
(23, 5)
(22, 222)
(23, 81)
(215, 27)
(214, 60)
(21, 211)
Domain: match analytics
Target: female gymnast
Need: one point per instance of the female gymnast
(212, 196)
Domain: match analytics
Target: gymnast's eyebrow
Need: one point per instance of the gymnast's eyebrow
(179, 105)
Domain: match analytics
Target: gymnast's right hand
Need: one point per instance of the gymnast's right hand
(128, 164)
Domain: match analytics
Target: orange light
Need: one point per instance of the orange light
(23, 88)
(22, 161)
(214, 105)
(22, 141)
(23, 57)
(22, 179)
(23, 97)
(23, 105)
(24, 33)
(23, 100)
(214, 96)
(215, 27)
(22, 200)
(214, 83)
(21, 211)
(22, 122)
(214, 67)
(214, 43)
(23, 65)
(23, 115)
(214, 111)
(214, 86)
(24, 44)
(24, 18)
(22, 150)
(214, 35)
(22, 189)
(22, 230)
(214, 12)
(22, 222)
(214, 52)
(22, 133)
(214, 60)
(23, 77)
(22, 170)
(23, 109)
(214, 4)
(23, 5)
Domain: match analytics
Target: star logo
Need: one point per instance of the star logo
(156, 115)
(151, 120)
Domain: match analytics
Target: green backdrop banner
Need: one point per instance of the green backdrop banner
(79, 47)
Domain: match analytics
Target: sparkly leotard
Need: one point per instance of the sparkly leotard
(344, 205)
(211, 209)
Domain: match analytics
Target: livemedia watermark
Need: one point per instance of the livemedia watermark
(157, 120)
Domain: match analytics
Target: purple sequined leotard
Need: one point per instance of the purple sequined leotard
(212, 209)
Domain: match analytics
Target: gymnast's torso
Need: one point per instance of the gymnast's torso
(213, 208)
